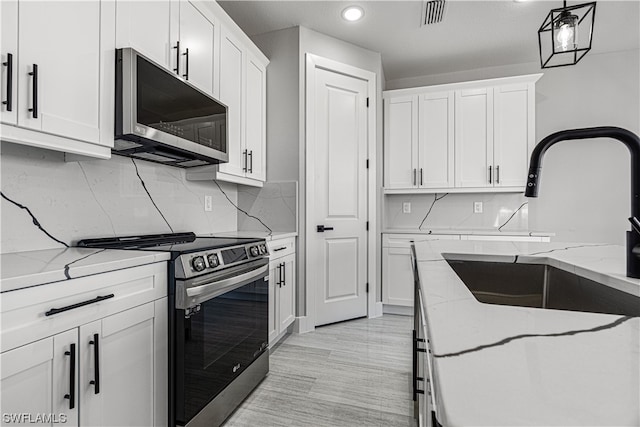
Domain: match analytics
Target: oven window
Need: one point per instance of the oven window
(168, 104)
(217, 344)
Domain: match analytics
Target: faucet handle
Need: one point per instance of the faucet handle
(635, 224)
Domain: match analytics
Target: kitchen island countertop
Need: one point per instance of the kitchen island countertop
(504, 365)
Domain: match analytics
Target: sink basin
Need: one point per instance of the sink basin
(541, 286)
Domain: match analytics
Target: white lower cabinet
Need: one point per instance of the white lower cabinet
(397, 277)
(111, 371)
(282, 287)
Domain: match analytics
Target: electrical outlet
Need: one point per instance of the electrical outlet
(208, 203)
(406, 207)
(477, 207)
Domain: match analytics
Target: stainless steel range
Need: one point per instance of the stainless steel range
(218, 328)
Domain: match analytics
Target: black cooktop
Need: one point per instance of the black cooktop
(177, 243)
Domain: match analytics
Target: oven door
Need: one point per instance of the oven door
(221, 328)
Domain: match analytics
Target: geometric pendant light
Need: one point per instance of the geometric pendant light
(565, 35)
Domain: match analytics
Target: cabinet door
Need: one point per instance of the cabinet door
(397, 277)
(126, 365)
(436, 140)
(287, 292)
(513, 133)
(37, 377)
(401, 142)
(196, 46)
(232, 58)
(474, 138)
(63, 40)
(255, 123)
(150, 27)
(9, 48)
(274, 280)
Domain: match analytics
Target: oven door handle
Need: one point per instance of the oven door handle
(219, 287)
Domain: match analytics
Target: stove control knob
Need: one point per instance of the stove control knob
(263, 249)
(213, 260)
(254, 251)
(198, 263)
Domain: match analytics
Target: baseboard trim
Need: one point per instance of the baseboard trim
(397, 309)
(301, 325)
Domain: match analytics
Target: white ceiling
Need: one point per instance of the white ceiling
(473, 34)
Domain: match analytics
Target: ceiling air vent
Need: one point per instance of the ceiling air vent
(432, 11)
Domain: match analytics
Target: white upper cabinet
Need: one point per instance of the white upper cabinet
(243, 89)
(150, 27)
(197, 41)
(256, 118)
(513, 133)
(232, 76)
(436, 140)
(173, 33)
(55, 94)
(401, 141)
(474, 138)
(471, 137)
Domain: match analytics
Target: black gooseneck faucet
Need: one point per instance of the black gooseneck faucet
(632, 142)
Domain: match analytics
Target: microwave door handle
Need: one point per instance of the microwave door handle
(213, 289)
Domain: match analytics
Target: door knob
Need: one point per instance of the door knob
(322, 228)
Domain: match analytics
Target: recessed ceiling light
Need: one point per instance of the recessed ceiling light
(352, 13)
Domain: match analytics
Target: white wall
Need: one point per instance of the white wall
(584, 194)
(100, 198)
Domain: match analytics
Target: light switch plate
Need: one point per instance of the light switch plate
(208, 203)
(406, 207)
(477, 207)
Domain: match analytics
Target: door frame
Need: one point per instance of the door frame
(314, 62)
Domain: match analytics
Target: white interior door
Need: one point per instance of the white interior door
(338, 187)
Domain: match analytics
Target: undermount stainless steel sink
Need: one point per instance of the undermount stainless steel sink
(541, 286)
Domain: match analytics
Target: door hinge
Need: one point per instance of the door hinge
(367, 287)
(367, 225)
(367, 102)
(367, 163)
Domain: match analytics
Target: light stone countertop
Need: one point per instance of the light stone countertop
(501, 365)
(469, 231)
(32, 268)
(276, 235)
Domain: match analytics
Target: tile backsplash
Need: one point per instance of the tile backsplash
(455, 211)
(101, 198)
(275, 204)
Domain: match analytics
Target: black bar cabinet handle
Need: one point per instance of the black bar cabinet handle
(498, 174)
(9, 65)
(284, 274)
(80, 304)
(251, 161)
(244, 154)
(96, 364)
(34, 93)
(421, 176)
(72, 376)
(177, 48)
(282, 282)
(186, 73)
(414, 177)
(490, 174)
(280, 249)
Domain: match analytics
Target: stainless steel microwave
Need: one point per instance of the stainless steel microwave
(162, 118)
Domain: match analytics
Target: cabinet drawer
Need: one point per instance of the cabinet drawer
(22, 312)
(281, 247)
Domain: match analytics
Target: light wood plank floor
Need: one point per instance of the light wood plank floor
(355, 373)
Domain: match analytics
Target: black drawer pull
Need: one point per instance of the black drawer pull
(280, 249)
(72, 376)
(251, 161)
(96, 364)
(9, 65)
(34, 93)
(177, 48)
(80, 304)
